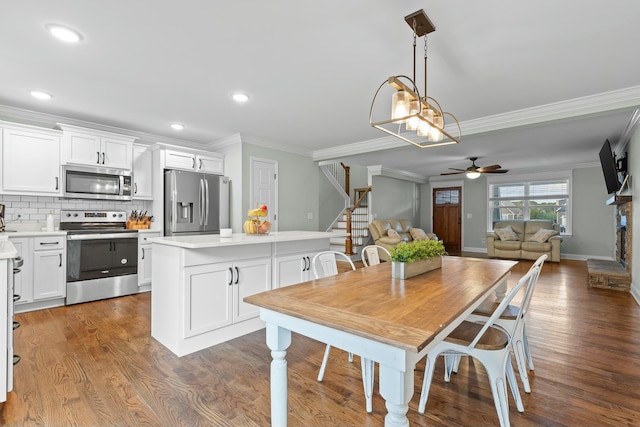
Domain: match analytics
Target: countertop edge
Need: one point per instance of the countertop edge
(237, 239)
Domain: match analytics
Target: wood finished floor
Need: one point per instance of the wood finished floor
(95, 364)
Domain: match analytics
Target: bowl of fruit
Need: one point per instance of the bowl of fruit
(257, 224)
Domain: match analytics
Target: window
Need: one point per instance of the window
(540, 198)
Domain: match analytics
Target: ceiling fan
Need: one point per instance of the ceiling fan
(474, 171)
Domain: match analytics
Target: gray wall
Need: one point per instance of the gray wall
(593, 221)
(394, 199)
(297, 186)
(633, 169)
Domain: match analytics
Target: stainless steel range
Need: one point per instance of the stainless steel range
(102, 255)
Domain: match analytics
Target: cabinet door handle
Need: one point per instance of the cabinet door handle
(142, 253)
(309, 264)
(98, 153)
(135, 188)
(200, 164)
(230, 276)
(237, 275)
(48, 243)
(193, 159)
(60, 255)
(103, 157)
(56, 183)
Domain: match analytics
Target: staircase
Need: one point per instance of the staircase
(359, 232)
(354, 218)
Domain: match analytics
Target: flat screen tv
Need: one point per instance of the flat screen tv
(608, 163)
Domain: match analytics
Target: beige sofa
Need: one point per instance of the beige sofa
(379, 230)
(524, 247)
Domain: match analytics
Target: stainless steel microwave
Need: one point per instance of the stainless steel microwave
(88, 182)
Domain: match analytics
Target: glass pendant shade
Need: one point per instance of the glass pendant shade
(434, 132)
(414, 122)
(399, 106)
(424, 128)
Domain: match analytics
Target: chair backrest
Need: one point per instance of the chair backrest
(324, 264)
(527, 280)
(537, 266)
(370, 255)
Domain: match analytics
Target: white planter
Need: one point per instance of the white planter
(404, 270)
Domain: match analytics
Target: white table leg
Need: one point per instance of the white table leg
(397, 389)
(278, 340)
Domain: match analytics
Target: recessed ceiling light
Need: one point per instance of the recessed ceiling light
(38, 94)
(64, 33)
(240, 97)
(177, 126)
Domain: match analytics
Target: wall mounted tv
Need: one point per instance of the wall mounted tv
(609, 168)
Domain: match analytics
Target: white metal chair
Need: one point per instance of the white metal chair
(371, 256)
(324, 264)
(490, 346)
(507, 320)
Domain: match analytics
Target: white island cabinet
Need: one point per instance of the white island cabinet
(199, 283)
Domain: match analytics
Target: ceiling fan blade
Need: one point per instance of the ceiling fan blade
(496, 171)
(488, 168)
(455, 169)
(452, 173)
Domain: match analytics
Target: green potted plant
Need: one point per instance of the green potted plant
(416, 257)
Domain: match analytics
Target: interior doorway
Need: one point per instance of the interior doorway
(447, 217)
(264, 187)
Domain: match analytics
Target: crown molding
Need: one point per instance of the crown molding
(49, 121)
(587, 105)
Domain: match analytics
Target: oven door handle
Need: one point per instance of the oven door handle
(102, 236)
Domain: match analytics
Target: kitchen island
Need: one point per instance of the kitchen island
(199, 282)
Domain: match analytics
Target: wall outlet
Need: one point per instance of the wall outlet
(309, 216)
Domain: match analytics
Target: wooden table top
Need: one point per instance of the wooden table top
(403, 313)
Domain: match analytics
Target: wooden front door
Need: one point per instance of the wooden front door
(447, 217)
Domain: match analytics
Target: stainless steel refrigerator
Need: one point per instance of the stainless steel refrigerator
(195, 203)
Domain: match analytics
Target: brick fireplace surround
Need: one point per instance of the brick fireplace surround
(615, 274)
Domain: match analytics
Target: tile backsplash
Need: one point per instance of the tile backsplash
(34, 209)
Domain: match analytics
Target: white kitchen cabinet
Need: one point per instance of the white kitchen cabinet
(214, 293)
(179, 160)
(30, 160)
(210, 164)
(292, 263)
(142, 172)
(49, 266)
(91, 147)
(145, 251)
(206, 163)
(41, 282)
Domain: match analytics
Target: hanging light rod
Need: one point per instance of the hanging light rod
(415, 118)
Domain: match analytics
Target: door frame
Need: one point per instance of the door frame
(274, 209)
(447, 184)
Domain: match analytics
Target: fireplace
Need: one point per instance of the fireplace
(623, 236)
(616, 274)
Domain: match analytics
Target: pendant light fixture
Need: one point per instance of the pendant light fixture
(415, 118)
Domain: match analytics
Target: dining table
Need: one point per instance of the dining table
(367, 312)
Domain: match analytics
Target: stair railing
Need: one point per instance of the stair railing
(339, 176)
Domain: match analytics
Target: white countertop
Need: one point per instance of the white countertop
(201, 241)
(7, 250)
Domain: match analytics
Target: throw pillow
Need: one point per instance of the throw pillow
(418, 234)
(506, 234)
(392, 233)
(542, 235)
